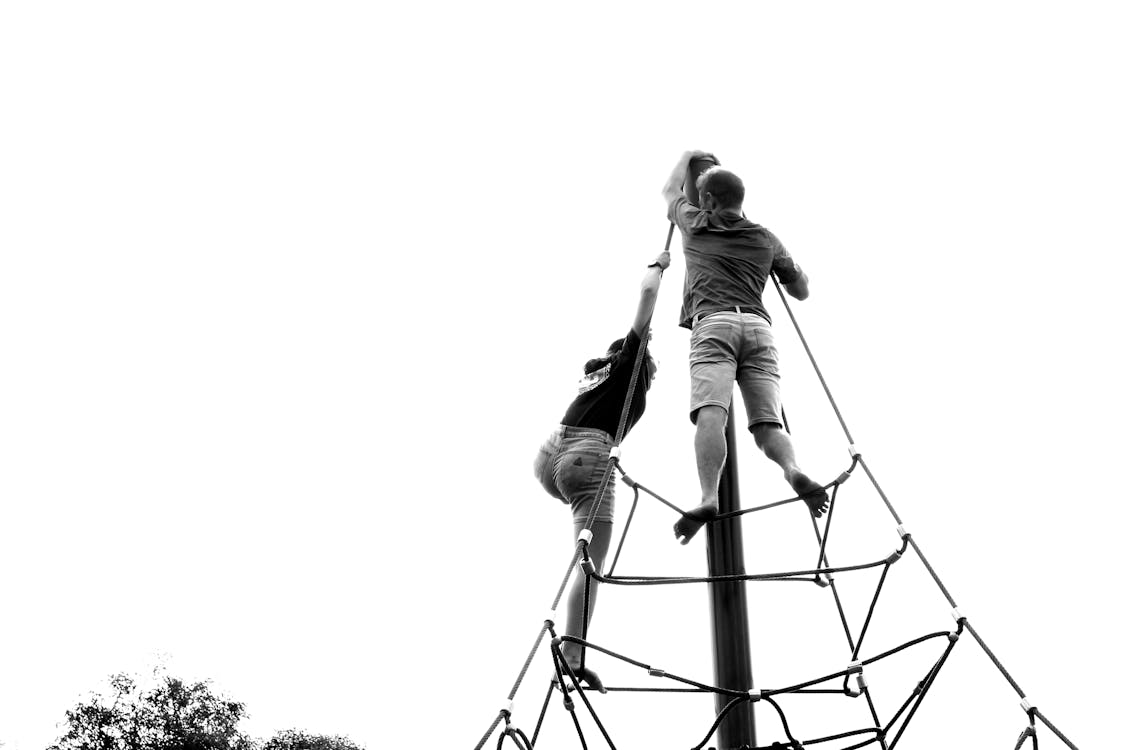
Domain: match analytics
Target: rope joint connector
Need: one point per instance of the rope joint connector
(588, 566)
(657, 673)
(794, 745)
(893, 557)
(628, 480)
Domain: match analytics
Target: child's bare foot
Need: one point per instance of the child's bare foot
(812, 493)
(694, 519)
(587, 675)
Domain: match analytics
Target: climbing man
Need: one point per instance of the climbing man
(573, 460)
(727, 261)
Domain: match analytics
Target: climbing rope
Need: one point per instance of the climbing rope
(581, 550)
(886, 735)
(1032, 711)
(878, 732)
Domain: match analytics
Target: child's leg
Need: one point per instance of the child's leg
(599, 549)
(578, 608)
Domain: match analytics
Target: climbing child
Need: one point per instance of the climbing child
(575, 458)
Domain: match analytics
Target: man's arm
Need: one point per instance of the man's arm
(798, 289)
(791, 276)
(650, 286)
(674, 188)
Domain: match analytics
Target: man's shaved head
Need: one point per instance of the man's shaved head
(724, 187)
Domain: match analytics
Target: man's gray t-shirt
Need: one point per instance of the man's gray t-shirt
(727, 261)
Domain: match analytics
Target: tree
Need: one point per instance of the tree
(292, 739)
(174, 715)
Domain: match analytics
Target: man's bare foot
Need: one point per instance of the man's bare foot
(812, 493)
(694, 519)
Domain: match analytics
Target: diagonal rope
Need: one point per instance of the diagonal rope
(890, 507)
(812, 359)
(581, 545)
(623, 420)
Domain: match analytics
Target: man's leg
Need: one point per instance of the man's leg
(715, 340)
(576, 600)
(775, 443)
(710, 450)
(710, 455)
(759, 377)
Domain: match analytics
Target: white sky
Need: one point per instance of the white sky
(290, 293)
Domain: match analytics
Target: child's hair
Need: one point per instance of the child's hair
(612, 354)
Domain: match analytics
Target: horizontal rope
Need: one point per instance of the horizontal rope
(834, 483)
(661, 580)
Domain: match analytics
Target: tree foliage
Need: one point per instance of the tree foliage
(292, 739)
(174, 715)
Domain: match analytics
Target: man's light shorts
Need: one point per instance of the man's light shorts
(727, 347)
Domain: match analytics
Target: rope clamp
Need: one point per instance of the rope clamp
(755, 694)
(508, 708)
(855, 667)
(853, 451)
(902, 532)
(957, 616)
(585, 536)
(615, 452)
(1027, 705)
(550, 618)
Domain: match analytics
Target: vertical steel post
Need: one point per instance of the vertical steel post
(730, 625)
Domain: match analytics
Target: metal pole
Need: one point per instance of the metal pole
(730, 625)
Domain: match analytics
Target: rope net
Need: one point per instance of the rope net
(849, 683)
